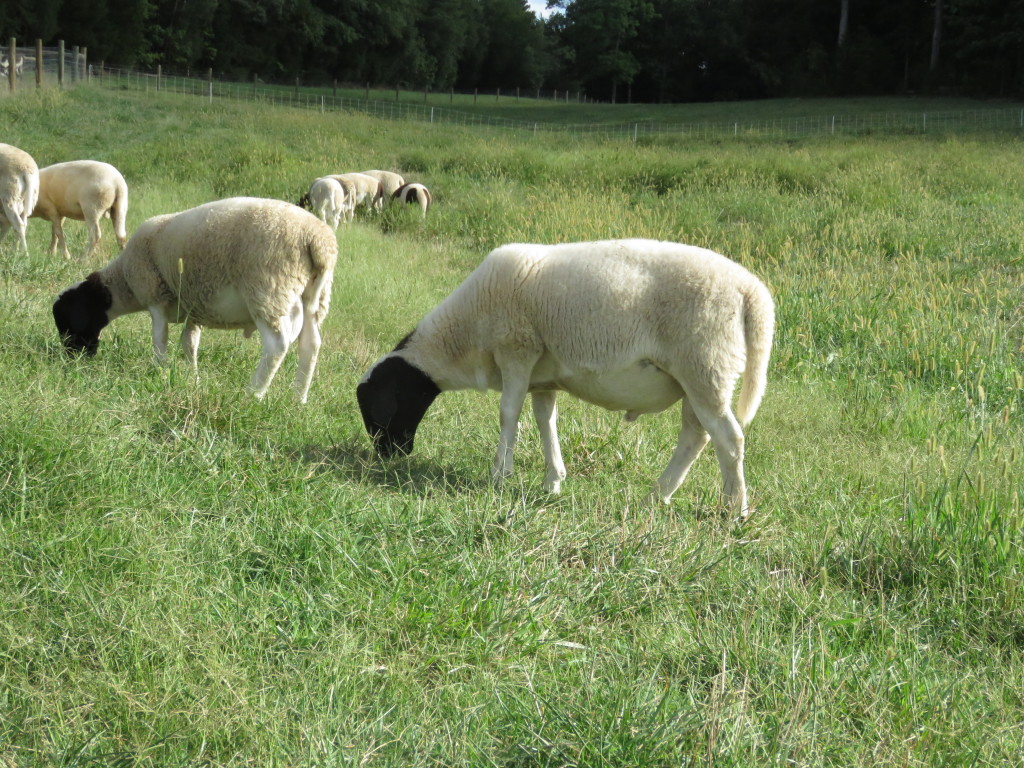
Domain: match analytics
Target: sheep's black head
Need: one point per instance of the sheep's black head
(393, 396)
(80, 313)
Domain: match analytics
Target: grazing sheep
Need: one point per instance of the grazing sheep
(19, 190)
(86, 190)
(243, 262)
(360, 189)
(389, 180)
(414, 193)
(631, 325)
(327, 199)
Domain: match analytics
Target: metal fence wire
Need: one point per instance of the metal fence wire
(73, 69)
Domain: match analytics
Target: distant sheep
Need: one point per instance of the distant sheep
(631, 325)
(19, 190)
(244, 263)
(85, 190)
(360, 189)
(327, 199)
(389, 180)
(414, 193)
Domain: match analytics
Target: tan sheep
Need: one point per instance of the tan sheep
(85, 190)
(360, 189)
(390, 180)
(243, 262)
(630, 325)
(19, 190)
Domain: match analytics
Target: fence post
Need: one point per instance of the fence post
(159, 76)
(334, 90)
(11, 69)
(497, 96)
(474, 95)
(431, 114)
(636, 131)
(517, 93)
(39, 63)
(367, 91)
(255, 77)
(396, 91)
(60, 63)
(209, 79)
(451, 95)
(85, 64)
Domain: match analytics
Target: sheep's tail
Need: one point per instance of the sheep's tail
(758, 328)
(31, 193)
(323, 253)
(119, 213)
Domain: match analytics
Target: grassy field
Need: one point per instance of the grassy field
(189, 577)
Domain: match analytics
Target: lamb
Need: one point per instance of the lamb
(361, 189)
(632, 325)
(19, 190)
(390, 180)
(86, 190)
(327, 199)
(242, 262)
(414, 193)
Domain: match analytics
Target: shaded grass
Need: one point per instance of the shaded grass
(192, 577)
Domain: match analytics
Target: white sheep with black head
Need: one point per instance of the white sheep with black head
(414, 193)
(247, 263)
(630, 325)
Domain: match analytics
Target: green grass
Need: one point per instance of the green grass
(191, 577)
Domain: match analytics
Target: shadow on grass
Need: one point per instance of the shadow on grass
(357, 462)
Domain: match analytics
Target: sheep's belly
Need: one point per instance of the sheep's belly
(638, 388)
(227, 309)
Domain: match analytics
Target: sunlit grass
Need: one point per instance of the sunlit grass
(193, 577)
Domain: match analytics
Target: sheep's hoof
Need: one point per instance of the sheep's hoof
(657, 498)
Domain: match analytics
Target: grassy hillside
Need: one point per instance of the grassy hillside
(190, 577)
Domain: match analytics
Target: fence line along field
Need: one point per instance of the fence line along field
(190, 576)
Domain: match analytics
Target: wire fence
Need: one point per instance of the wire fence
(63, 68)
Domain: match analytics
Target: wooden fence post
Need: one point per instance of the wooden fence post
(60, 63)
(11, 68)
(39, 63)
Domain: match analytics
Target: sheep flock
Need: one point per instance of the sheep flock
(630, 325)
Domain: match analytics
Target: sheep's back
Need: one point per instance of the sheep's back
(600, 304)
(267, 251)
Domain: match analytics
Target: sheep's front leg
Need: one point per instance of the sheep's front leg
(545, 411)
(275, 345)
(515, 383)
(57, 238)
(160, 324)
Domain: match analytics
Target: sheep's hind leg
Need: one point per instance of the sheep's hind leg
(190, 345)
(692, 439)
(275, 345)
(545, 411)
(309, 350)
(727, 437)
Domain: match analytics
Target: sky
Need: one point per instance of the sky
(539, 7)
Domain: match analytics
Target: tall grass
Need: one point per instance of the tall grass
(190, 577)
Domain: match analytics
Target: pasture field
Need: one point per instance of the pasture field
(189, 577)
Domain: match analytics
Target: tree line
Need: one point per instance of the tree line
(609, 50)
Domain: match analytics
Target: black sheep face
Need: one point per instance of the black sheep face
(393, 398)
(80, 313)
